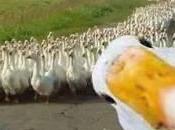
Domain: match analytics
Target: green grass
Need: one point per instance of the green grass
(22, 19)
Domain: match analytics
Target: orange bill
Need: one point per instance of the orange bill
(142, 80)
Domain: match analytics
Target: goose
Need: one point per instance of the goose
(8, 77)
(74, 76)
(21, 76)
(42, 84)
(70, 74)
(24, 72)
(83, 74)
(21, 71)
(1, 88)
(139, 82)
(88, 66)
(55, 73)
(59, 69)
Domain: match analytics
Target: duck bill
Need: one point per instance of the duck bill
(138, 78)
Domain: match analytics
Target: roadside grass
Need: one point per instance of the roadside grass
(22, 19)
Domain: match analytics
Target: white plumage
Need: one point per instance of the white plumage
(129, 118)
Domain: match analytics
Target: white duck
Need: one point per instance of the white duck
(54, 74)
(75, 77)
(1, 88)
(10, 81)
(139, 82)
(42, 84)
(22, 74)
(59, 69)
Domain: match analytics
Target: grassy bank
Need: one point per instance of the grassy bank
(21, 19)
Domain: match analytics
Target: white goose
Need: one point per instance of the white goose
(59, 69)
(75, 77)
(10, 82)
(1, 88)
(21, 73)
(53, 74)
(139, 82)
(25, 73)
(42, 84)
(70, 74)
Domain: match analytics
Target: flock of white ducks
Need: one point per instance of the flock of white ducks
(47, 67)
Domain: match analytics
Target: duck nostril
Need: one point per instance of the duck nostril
(109, 99)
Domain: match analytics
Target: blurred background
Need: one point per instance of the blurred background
(21, 19)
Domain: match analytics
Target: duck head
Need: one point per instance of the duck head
(33, 56)
(138, 82)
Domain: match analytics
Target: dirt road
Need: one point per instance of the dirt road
(91, 114)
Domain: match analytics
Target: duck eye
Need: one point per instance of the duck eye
(108, 99)
(146, 43)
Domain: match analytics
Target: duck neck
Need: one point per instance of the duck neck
(83, 49)
(20, 61)
(52, 62)
(70, 63)
(88, 58)
(23, 63)
(92, 58)
(42, 65)
(3, 55)
(16, 59)
(59, 58)
(49, 59)
(36, 70)
(67, 61)
(12, 62)
(6, 61)
(85, 63)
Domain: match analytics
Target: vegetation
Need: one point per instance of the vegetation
(22, 19)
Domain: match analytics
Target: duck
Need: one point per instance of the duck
(22, 74)
(59, 69)
(75, 78)
(10, 82)
(43, 85)
(2, 94)
(56, 73)
(138, 80)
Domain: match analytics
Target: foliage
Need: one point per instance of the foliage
(22, 19)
